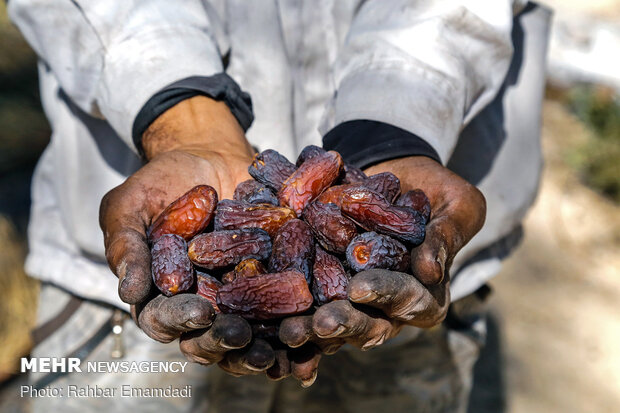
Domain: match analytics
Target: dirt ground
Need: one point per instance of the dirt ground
(555, 321)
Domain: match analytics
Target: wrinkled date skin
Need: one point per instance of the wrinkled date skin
(333, 230)
(266, 297)
(309, 180)
(186, 217)
(271, 168)
(375, 213)
(353, 175)
(235, 215)
(171, 268)
(254, 192)
(333, 195)
(371, 250)
(417, 200)
(220, 249)
(308, 153)
(385, 183)
(293, 248)
(207, 287)
(330, 279)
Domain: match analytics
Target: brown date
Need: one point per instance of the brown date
(373, 212)
(219, 249)
(207, 287)
(266, 297)
(330, 280)
(187, 216)
(254, 192)
(417, 200)
(385, 183)
(353, 175)
(171, 269)
(246, 268)
(309, 180)
(293, 248)
(371, 250)
(333, 194)
(235, 215)
(271, 168)
(309, 152)
(333, 230)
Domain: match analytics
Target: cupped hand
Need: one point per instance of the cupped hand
(380, 301)
(196, 142)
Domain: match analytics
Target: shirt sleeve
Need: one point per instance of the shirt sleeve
(110, 57)
(426, 67)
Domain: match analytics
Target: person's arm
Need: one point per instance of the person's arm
(111, 57)
(410, 76)
(147, 67)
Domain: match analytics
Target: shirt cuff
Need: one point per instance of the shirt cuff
(367, 142)
(219, 87)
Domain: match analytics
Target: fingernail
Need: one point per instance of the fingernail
(335, 333)
(191, 324)
(251, 367)
(359, 298)
(227, 346)
(309, 382)
(374, 342)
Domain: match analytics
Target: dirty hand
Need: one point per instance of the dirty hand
(198, 141)
(392, 299)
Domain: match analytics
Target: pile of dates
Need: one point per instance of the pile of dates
(290, 239)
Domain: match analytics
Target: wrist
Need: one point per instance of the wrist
(196, 124)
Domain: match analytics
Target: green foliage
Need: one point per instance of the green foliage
(598, 159)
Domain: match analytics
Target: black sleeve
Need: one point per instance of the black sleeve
(220, 87)
(367, 142)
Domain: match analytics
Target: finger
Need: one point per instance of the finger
(165, 318)
(126, 249)
(281, 367)
(297, 331)
(339, 319)
(401, 296)
(228, 332)
(256, 358)
(305, 364)
(450, 228)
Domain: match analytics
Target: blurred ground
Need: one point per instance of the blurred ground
(554, 330)
(555, 323)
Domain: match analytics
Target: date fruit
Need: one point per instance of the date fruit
(371, 250)
(293, 248)
(254, 192)
(186, 217)
(385, 183)
(330, 279)
(333, 230)
(220, 249)
(208, 287)
(171, 268)
(271, 168)
(373, 212)
(309, 180)
(235, 215)
(333, 195)
(353, 175)
(309, 152)
(417, 200)
(266, 297)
